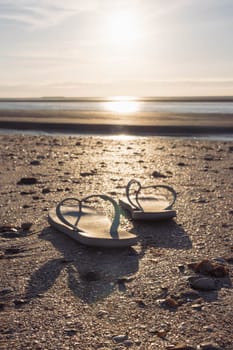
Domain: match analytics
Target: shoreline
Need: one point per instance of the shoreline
(97, 123)
(111, 129)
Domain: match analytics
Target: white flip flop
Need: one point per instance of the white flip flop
(88, 226)
(157, 207)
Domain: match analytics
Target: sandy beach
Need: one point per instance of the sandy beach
(173, 290)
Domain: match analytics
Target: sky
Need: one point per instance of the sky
(77, 48)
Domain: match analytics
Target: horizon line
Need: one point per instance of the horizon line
(191, 98)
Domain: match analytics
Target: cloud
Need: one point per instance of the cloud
(43, 13)
(120, 87)
(58, 84)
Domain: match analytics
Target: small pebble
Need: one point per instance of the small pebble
(197, 306)
(170, 302)
(157, 174)
(70, 332)
(26, 226)
(209, 346)
(203, 283)
(2, 306)
(128, 343)
(34, 162)
(45, 190)
(120, 338)
(181, 268)
(19, 302)
(27, 181)
(181, 346)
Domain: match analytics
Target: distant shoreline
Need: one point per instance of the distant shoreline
(120, 98)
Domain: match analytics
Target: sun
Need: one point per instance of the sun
(123, 27)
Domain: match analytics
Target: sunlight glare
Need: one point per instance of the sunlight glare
(123, 27)
(122, 106)
(122, 137)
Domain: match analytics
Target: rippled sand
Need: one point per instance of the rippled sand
(58, 294)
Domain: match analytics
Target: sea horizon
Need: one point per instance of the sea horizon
(204, 98)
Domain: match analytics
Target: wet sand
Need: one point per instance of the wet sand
(58, 294)
(146, 123)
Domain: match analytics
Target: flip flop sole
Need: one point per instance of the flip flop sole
(149, 213)
(97, 235)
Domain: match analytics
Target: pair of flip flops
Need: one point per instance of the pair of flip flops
(89, 226)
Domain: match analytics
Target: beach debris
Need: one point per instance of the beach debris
(208, 267)
(102, 313)
(24, 193)
(120, 338)
(208, 157)
(27, 181)
(127, 343)
(8, 231)
(140, 303)
(45, 190)
(173, 301)
(25, 226)
(188, 295)
(2, 306)
(162, 331)
(181, 164)
(209, 346)
(19, 302)
(88, 173)
(169, 302)
(70, 331)
(7, 228)
(180, 346)
(208, 328)
(196, 306)
(181, 268)
(157, 174)
(199, 200)
(35, 162)
(202, 283)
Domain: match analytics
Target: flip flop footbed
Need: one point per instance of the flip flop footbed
(93, 228)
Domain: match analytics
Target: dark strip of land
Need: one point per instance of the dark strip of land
(142, 123)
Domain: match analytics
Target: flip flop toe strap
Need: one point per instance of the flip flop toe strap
(128, 186)
(116, 218)
(61, 216)
(136, 205)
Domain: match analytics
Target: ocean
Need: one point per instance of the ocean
(147, 116)
(123, 106)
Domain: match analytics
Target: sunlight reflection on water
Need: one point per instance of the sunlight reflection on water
(121, 107)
